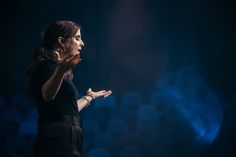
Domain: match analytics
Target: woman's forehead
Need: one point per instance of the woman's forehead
(78, 33)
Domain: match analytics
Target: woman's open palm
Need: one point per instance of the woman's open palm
(101, 93)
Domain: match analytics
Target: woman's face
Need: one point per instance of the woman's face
(75, 43)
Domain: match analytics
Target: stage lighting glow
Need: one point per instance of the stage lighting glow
(196, 102)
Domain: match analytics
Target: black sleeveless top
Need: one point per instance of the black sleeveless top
(65, 102)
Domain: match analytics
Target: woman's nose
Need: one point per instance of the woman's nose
(82, 44)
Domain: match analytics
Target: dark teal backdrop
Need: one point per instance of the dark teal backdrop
(143, 46)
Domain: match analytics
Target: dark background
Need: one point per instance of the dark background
(129, 44)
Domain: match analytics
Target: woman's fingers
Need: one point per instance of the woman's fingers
(72, 60)
(68, 56)
(107, 93)
(73, 57)
(101, 93)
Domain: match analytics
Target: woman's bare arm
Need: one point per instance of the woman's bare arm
(85, 101)
(52, 85)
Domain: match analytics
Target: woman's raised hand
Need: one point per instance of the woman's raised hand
(69, 61)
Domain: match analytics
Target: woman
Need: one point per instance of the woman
(51, 88)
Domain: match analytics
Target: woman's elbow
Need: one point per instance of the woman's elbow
(46, 95)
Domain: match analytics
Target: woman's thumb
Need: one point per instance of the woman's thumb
(56, 55)
(89, 90)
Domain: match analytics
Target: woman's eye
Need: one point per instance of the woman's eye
(77, 38)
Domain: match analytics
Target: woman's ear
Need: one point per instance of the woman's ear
(61, 42)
